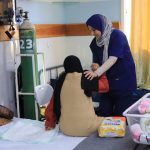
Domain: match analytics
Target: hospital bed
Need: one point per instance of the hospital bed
(58, 142)
(61, 141)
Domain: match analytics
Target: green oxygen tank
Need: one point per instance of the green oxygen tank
(29, 67)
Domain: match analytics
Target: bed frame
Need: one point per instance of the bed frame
(52, 73)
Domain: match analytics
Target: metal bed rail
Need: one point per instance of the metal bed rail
(52, 72)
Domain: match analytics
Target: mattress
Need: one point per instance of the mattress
(59, 142)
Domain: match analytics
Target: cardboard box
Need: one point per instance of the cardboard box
(112, 127)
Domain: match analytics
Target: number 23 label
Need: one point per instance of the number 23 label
(26, 44)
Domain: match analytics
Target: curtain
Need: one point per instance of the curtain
(140, 40)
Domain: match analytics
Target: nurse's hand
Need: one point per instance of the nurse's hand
(94, 66)
(90, 74)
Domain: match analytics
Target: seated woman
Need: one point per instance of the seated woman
(72, 103)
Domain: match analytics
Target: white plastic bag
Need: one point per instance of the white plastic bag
(43, 93)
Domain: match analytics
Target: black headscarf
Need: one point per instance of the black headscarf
(72, 64)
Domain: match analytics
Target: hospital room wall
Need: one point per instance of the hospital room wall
(57, 48)
(79, 45)
(7, 75)
(54, 48)
(79, 13)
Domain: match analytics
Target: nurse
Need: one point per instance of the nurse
(111, 55)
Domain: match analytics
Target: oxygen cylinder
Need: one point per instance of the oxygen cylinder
(28, 46)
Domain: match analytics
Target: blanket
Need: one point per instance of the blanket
(29, 131)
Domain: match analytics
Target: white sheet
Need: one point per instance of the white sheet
(60, 142)
(29, 131)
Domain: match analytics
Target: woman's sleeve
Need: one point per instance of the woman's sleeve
(52, 112)
(117, 45)
(50, 117)
(89, 86)
(57, 91)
